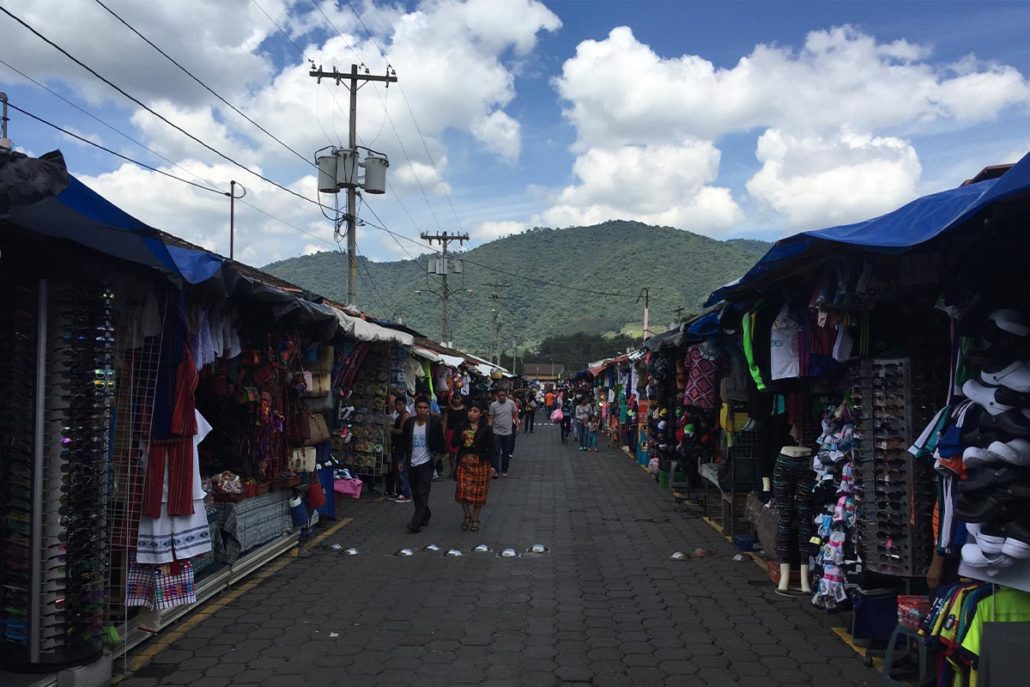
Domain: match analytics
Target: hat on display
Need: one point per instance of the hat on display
(1009, 320)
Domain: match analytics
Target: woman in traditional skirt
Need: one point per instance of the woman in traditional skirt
(473, 441)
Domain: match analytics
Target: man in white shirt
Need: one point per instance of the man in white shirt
(422, 440)
(504, 421)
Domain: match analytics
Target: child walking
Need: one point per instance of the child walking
(593, 425)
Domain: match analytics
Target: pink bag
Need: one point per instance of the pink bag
(348, 487)
(557, 415)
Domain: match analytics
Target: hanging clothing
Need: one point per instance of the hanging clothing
(160, 587)
(704, 369)
(171, 536)
(784, 354)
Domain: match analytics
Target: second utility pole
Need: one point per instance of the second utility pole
(352, 189)
(445, 267)
(495, 329)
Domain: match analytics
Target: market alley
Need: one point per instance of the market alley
(604, 606)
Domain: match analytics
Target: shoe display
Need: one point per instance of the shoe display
(972, 555)
(984, 395)
(1012, 423)
(1015, 452)
(1014, 375)
(991, 476)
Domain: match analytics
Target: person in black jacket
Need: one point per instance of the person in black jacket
(422, 440)
(474, 442)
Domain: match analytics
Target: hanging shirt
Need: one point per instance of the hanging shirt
(784, 351)
(419, 445)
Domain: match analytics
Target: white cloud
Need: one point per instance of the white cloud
(815, 181)
(836, 115)
(202, 217)
(489, 231)
(620, 91)
(500, 134)
(667, 185)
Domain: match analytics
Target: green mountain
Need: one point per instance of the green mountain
(558, 281)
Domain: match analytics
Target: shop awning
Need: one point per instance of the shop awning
(367, 331)
(30, 201)
(426, 355)
(452, 360)
(910, 225)
(673, 337)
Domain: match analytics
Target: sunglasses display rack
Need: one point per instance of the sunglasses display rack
(895, 495)
(17, 466)
(65, 581)
(368, 416)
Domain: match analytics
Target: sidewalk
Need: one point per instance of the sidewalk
(605, 606)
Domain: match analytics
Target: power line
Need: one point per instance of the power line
(386, 114)
(304, 57)
(159, 171)
(116, 154)
(201, 83)
(153, 112)
(407, 104)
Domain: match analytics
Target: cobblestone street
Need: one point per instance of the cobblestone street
(605, 606)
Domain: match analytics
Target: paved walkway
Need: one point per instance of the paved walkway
(606, 606)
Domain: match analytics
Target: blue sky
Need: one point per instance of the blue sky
(730, 119)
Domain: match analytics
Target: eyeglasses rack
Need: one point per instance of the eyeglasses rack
(63, 582)
(895, 494)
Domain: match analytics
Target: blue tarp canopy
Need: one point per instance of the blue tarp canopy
(917, 222)
(81, 215)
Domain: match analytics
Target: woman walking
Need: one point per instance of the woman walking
(454, 419)
(473, 442)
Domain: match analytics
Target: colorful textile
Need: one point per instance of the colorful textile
(171, 458)
(159, 587)
(703, 373)
(473, 480)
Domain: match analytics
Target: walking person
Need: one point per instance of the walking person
(529, 414)
(421, 439)
(593, 426)
(566, 421)
(454, 418)
(401, 485)
(503, 418)
(582, 415)
(549, 402)
(473, 444)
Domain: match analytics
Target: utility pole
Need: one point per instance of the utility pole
(351, 80)
(443, 268)
(646, 295)
(495, 329)
(232, 214)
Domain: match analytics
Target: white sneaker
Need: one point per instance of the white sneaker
(1015, 376)
(984, 396)
(1015, 452)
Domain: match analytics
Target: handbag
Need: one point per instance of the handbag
(303, 459)
(316, 495)
(557, 415)
(318, 429)
(319, 385)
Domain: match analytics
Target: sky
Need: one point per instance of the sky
(728, 119)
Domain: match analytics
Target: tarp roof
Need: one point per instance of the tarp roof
(367, 331)
(63, 207)
(910, 225)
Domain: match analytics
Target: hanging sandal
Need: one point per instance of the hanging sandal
(475, 525)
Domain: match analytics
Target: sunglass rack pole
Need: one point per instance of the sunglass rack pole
(36, 611)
